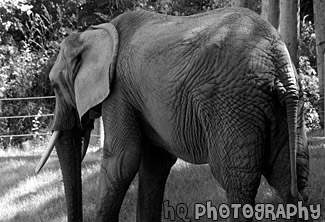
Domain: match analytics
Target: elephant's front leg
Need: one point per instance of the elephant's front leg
(118, 169)
(154, 170)
(121, 160)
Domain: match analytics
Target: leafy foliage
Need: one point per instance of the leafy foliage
(35, 23)
(182, 7)
(307, 41)
(23, 75)
(309, 83)
(29, 43)
(308, 75)
(98, 11)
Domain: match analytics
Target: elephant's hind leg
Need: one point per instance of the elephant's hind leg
(278, 176)
(154, 170)
(237, 165)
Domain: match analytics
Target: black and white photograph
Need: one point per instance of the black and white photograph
(162, 110)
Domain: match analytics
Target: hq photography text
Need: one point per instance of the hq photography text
(224, 211)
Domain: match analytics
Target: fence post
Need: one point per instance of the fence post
(98, 132)
(101, 132)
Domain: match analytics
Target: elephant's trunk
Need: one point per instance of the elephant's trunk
(69, 148)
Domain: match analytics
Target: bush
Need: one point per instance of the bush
(307, 41)
(29, 37)
(24, 74)
(309, 82)
(307, 73)
(35, 23)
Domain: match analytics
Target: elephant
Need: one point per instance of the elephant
(215, 88)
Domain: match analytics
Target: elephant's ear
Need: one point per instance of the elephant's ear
(98, 58)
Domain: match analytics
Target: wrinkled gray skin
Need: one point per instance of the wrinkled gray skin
(216, 88)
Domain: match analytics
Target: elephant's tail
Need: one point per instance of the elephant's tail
(292, 109)
(288, 89)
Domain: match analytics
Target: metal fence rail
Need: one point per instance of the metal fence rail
(99, 130)
(27, 98)
(25, 116)
(25, 135)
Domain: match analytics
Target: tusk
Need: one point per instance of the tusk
(85, 144)
(48, 150)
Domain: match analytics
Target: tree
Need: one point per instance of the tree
(238, 3)
(288, 27)
(319, 18)
(271, 12)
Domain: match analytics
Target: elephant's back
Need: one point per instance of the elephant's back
(155, 31)
(168, 53)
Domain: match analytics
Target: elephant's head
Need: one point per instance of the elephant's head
(81, 78)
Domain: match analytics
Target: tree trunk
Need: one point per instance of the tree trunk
(319, 19)
(238, 3)
(288, 27)
(271, 12)
(265, 10)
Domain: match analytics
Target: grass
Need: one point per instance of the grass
(27, 197)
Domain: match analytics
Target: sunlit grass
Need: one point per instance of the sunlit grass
(27, 197)
(23, 193)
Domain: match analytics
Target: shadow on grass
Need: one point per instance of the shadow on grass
(51, 210)
(26, 196)
(187, 184)
(195, 184)
(15, 169)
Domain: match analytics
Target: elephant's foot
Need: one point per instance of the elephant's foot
(242, 206)
(154, 170)
(240, 218)
(110, 198)
(116, 174)
(110, 218)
